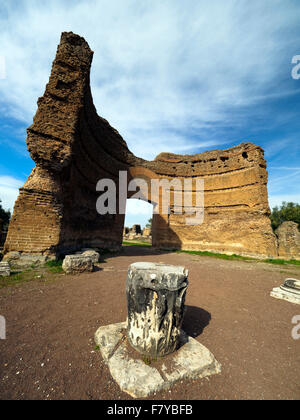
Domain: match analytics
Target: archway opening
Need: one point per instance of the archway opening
(138, 223)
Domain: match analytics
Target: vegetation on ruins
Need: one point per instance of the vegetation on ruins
(232, 257)
(278, 261)
(140, 243)
(287, 212)
(55, 266)
(149, 224)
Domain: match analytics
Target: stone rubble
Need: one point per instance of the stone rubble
(76, 264)
(94, 255)
(288, 240)
(4, 269)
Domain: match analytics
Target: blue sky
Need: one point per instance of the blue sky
(183, 77)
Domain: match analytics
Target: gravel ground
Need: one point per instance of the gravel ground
(50, 352)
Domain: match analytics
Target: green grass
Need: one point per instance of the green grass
(282, 262)
(54, 266)
(216, 255)
(232, 257)
(137, 243)
(148, 360)
(240, 257)
(14, 279)
(32, 273)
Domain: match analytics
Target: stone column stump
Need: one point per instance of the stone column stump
(155, 299)
(4, 269)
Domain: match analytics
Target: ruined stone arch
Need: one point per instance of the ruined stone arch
(73, 148)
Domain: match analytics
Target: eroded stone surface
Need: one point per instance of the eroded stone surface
(155, 300)
(291, 285)
(288, 240)
(75, 264)
(278, 293)
(94, 255)
(289, 290)
(147, 232)
(140, 380)
(20, 261)
(55, 213)
(108, 337)
(192, 360)
(135, 233)
(4, 269)
(133, 375)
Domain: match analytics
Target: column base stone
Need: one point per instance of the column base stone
(289, 290)
(140, 377)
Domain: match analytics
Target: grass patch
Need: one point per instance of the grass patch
(137, 243)
(277, 261)
(33, 273)
(54, 266)
(282, 262)
(148, 360)
(216, 255)
(232, 257)
(14, 279)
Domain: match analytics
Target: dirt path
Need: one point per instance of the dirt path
(50, 353)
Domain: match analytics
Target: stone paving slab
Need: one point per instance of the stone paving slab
(135, 377)
(108, 337)
(280, 293)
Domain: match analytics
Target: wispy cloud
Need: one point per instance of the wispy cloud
(171, 76)
(165, 63)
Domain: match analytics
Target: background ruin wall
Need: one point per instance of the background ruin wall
(74, 148)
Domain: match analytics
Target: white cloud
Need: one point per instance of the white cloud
(138, 212)
(9, 190)
(159, 65)
(134, 207)
(168, 75)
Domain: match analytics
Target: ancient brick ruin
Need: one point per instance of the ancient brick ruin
(73, 148)
(288, 240)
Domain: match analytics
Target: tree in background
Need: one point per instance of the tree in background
(286, 212)
(149, 224)
(5, 215)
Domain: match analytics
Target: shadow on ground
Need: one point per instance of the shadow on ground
(133, 251)
(139, 251)
(195, 320)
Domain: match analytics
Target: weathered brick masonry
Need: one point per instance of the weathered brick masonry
(73, 148)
